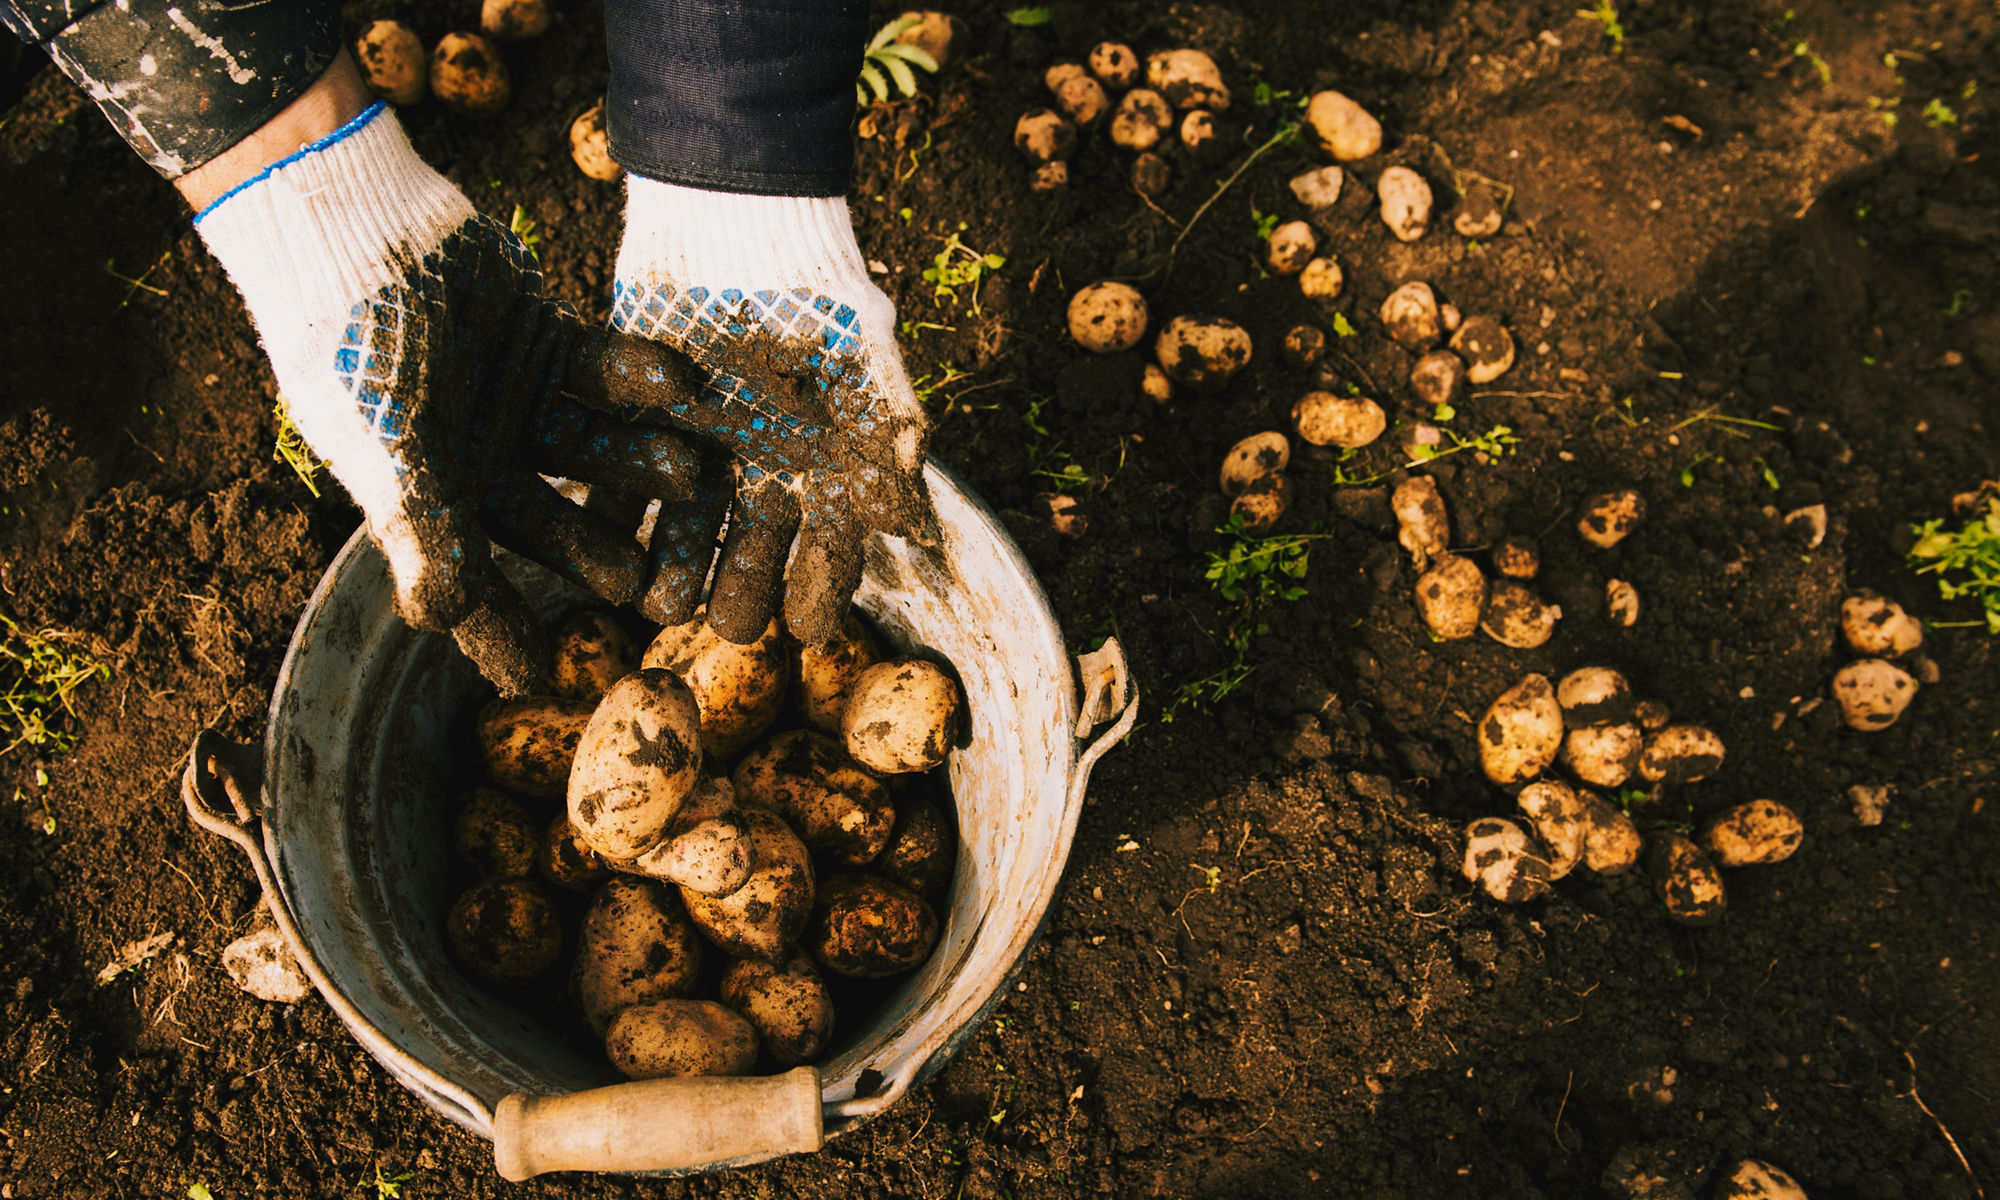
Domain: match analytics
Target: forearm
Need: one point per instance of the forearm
(334, 99)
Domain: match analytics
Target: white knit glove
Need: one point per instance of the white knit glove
(809, 395)
(418, 356)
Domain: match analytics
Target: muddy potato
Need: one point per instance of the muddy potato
(1324, 419)
(1438, 378)
(1621, 603)
(1263, 503)
(514, 20)
(527, 744)
(1151, 174)
(1518, 618)
(1503, 859)
(940, 35)
(1082, 101)
(1049, 177)
(637, 762)
(1201, 134)
(1154, 384)
(1879, 627)
(1141, 119)
(825, 674)
(1686, 881)
(1521, 731)
(1202, 351)
(566, 860)
(787, 1003)
(1681, 754)
(1755, 1180)
(902, 717)
(1318, 188)
(1448, 317)
(1187, 79)
(769, 912)
(1302, 346)
(392, 62)
(1594, 695)
(1753, 834)
(592, 652)
(590, 146)
(1059, 74)
(922, 852)
(1872, 693)
(834, 806)
(1486, 346)
(1290, 247)
(1478, 214)
(1114, 64)
(1652, 715)
(1043, 136)
(1603, 755)
(495, 836)
(707, 849)
(1406, 203)
(1422, 527)
(1517, 557)
(680, 1037)
(1607, 517)
(1611, 842)
(1560, 819)
(1410, 314)
(636, 945)
(1252, 459)
(504, 929)
(1107, 317)
(869, 928)
(468, 74)
(739, 689)
(1451, 596)
(1344, 128)
(1321, 279)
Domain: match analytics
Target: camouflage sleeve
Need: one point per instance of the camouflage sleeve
(183, 80)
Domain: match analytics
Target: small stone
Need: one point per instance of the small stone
(1406, 203)
(1753, 834)
(1410, 313)
(262, 964)
(1500, 857)
(1872, 693)
(1449, 317)
(1321, 279)
(1319, 188)
(1066, 515)
(1344, 129)
(1486, 346)
(1869, 802)
(1609, 516)
(1810, 522)
(1290, 247)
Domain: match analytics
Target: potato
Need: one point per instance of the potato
(1607, 517)
(869, 928)
(1151, 174)
(1517, 557)
(940, 35)
(1486, 346)
(1478, 214)
(1319, 188)
(392, 62)
(835, 807)
(1603, 755)
(1753, 834)
(1448, 317)
(636, 945)
(527, 744)
(1050, 177)
(592, 652)
(1251, 459)
(1321, 279)
(826, 673)
(1521, 731)
(739, 689)
(1872, 693)
(902, 717)
(708, 848)
(1560, 819)
(1114, 64)
(638, 760)
(1681, 754)
(1187, 79)
(922, 853)
(495, 835)
(1621, 603)
(1438, 378)
(787, 1003)
(680, 1037)
(566, 860)
(1686, 881)
(1878, 627)
(1141, 119)
(590, 146)
(1422, 527)
(1107, 317)
(1451, 596)
(1755, 1180)
(1344, 128)
(1290, 247)
(1082, 101)
(1651, 715)
(504, 929)
(1350, 422)
(1500, 857)
(1406, 203)
(769, 912)
(1154, 384)
(1202, 351)
(468, 74)
(1611, 842)
(1263, 503)
(514, 20)
(1200, 133)
(1061, 73)
(1044, 136)
(1301, 348)
(1410, 314)
(1518, 618)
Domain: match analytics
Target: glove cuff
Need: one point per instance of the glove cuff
(710, 239)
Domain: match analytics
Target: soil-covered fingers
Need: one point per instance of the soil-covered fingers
(683, 545)
(622, 373)
(573, 442)
(529, 517)
(502, 637)
(825, 569)
(762, 525)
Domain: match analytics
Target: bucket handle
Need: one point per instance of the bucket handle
(223, 790)
(1105, 689)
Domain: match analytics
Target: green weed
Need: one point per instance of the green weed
(1028, 18)
(1264, 223)
(1961, 303)
(139, 284)
(39, 678)
(1939, 114)
(523, 226)
(1966, 561)
(292, 449)
(1605, 14)
(958, 265)
(1496, 442)
(1253, 574)
(387, 1187)
(886, 61)
(929, 384)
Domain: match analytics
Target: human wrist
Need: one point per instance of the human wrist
(336, 98)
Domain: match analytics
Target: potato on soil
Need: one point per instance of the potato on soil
(636, 945)
(592, 652)
(1753, 834)
(1059, 74)
(1438, 378)
(1561, 820)
(1652, 715)
(392, 62)
(1517, 557)
(1752, 1179)
(590, 146)
(504, 929)
(1151, 174)
(1044, 136)
(903, 716)
(786, 1002)
(1252, 459)
(940, 35)
(1141, 119)
(708, 848)
(1521, 731)
(922, 852)
(469, 76)
(1406, 203)
(1686, 880)
(1200, 133)
(739, 689)
(869, 928)
(1290, 247)
(1872, 693)
(1518, 618)
(527, 744)
(1478, 214)
(1107, 317)
(835, 807)
(495, 836)
(1621, 603)
(514, 20)
(769, 912)
(1503, 859)
(1318, 188)
(1411, 316)
(636, 764)
(1114, 64)
(1202, 351)
(1324, 419)
(1263, 503)
(1591, 695)
(1448, 317)
(1486, 346)
(1049, 177)
(1344, 129)
(1154, 384)
(1422, 527)
(826, 673)
(1302, 346)
(1879, 627)
(1681, 754)
(1451, 596)
(1603, 755)
(1607, 517)
(1611, 842)
(1321, 279)
(1187, 79)
(680, 1037)
(1082, 101)
(566, 860)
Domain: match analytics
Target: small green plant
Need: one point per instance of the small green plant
(1939, 114)
(958, 265)
(1687, 474)
(387, 1187)
(1263, 222)
(886, 61)
(1496, 442)
(1443, 412)
(523, 226)
(1966, 561)
(199, 1191)
(1631, 800)
(39, 678)
(1341, 326)
(1803, 49)
(1770, 476)
(1961, 303)
(1605, 14)
(135, 286)
(1028, 18)
(929, 384)
(1253, 574)
(1071, 477)
(292, 449)
(1263, 95)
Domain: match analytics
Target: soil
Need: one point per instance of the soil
(1264, 975)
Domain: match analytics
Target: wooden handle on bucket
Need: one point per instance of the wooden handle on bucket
(658, 1125)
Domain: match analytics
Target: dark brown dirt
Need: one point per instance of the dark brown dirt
(1265, 976)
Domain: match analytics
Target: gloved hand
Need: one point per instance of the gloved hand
(418, 356)
(808, 393)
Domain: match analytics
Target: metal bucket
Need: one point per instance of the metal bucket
(348, 818)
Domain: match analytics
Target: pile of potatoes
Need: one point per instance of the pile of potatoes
(1873, 690)
(750, 826)
(1176, 103)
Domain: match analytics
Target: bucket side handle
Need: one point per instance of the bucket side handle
(223, 791)
(1105, 690)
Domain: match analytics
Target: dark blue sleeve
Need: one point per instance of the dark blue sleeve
(751, 96)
